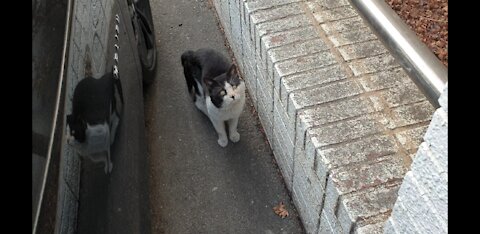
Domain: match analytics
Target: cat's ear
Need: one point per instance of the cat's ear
(232, 71)
(210, 83)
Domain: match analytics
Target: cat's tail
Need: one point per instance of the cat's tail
(188, 70)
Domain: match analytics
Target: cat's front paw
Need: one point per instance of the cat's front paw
(222, 142)
(234, 137)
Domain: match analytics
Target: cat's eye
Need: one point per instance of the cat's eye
(222, 93)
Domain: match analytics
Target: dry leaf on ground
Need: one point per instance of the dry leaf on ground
(280, 210)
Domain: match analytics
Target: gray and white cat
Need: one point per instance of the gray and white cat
(216, 89)
(92, 125)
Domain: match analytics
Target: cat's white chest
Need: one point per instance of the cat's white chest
(97, 140)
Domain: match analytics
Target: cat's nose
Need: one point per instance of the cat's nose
(233, 97)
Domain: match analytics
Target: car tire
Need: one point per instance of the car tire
(145, 34)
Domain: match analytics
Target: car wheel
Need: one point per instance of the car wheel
(145, 35)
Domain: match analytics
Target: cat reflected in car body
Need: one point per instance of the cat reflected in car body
(93, 123)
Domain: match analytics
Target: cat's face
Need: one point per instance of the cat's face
(233, 92)
(226, 89)
(75, 129)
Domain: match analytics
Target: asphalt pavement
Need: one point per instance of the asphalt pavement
(196, 186)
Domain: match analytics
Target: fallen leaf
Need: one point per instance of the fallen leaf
(280, 210)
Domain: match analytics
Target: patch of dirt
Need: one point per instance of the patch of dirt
(429, 20)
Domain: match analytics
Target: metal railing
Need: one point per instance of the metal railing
(423, 67)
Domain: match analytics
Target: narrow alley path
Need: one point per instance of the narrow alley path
(195, 185)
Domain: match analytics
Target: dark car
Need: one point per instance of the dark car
(74, 40)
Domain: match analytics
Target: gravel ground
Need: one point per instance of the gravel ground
(429, 20)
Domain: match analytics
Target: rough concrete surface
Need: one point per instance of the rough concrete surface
(195, 185)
